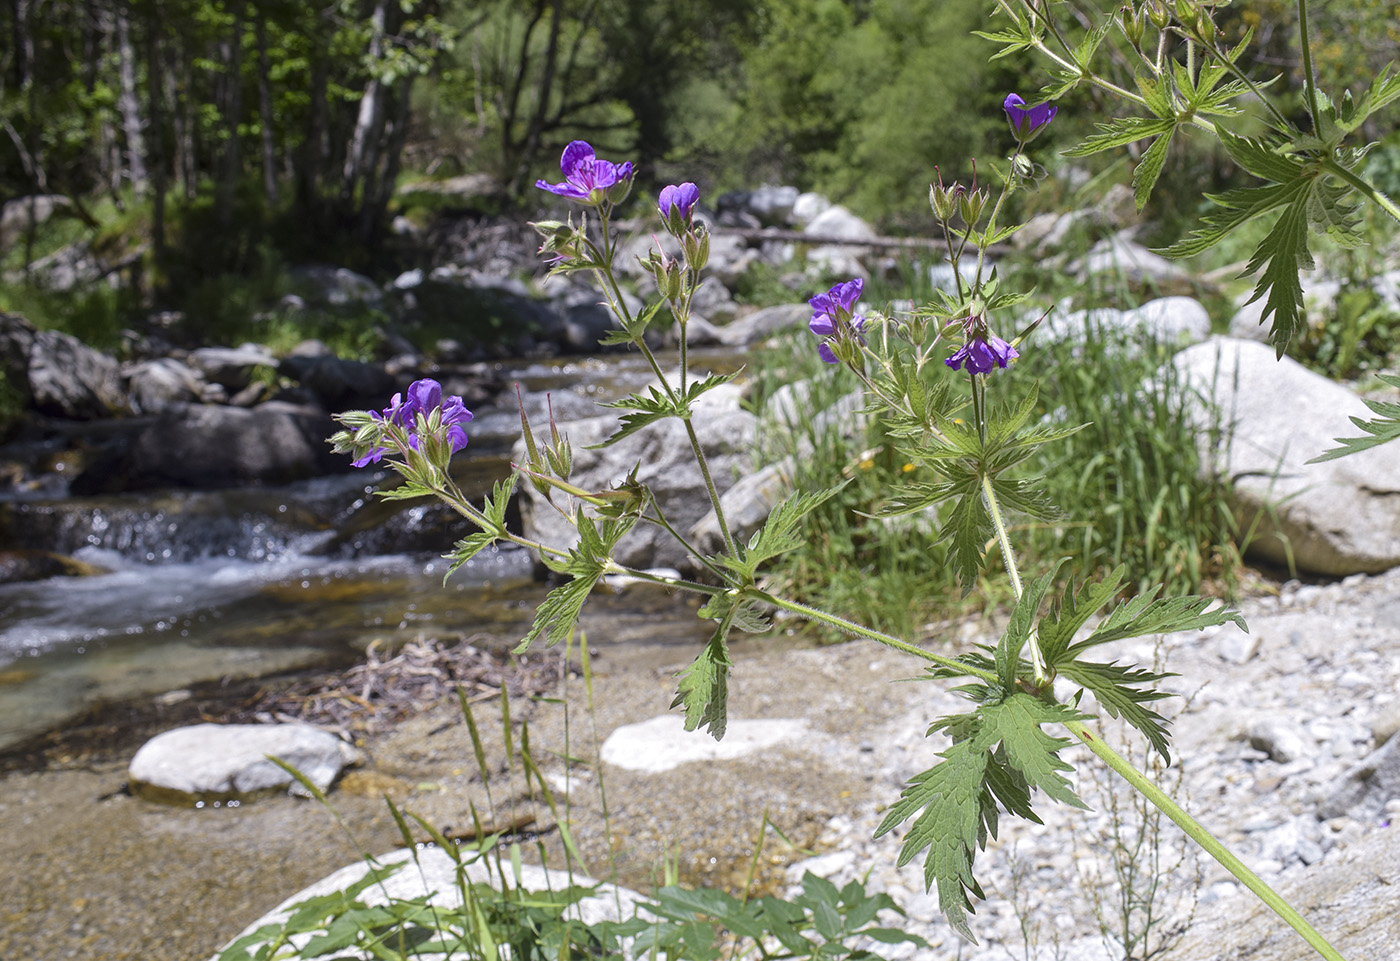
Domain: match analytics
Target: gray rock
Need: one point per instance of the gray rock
(1361, 793)
(1176, 321)
(1282, 738)
(841, 260)
(339, 382)
(663, 743)
(433, 876)
(773, 205)
(214, 446)
(231, 366)
(56, 374)
(326, 286)
(662, 455)
(730, 257)
(1318, 296)
(1385, 726)
(223, 761)
(155, 385)
(808, 207)
(1134, 262)
(1335, 518)
(760, 325)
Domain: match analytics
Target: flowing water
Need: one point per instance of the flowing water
(210, 585)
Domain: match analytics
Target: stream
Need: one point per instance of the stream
(200, 586)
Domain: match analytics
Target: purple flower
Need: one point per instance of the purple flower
(832, 314)
(424, 397)
(981, 353)
(678, 197)
(586, 178)
(1026, 122)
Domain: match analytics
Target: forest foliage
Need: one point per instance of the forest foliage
(219, 126)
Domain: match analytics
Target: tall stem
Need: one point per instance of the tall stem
(1309, 86)
(1205, 839)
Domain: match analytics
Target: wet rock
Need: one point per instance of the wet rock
(338, 382)
(57, 374)
(208, 446)
(227, 761)
(1335, 518)
(663, 743)
(322, 285)
(33, 565)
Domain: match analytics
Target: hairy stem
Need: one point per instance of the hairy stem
(1204, 838)
(1309, 85)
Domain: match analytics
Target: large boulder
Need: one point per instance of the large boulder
(662, 456)
(220, 762)
(433, 877)
(58, 375)
(213, 446)
(163, 382)
(1335, 518)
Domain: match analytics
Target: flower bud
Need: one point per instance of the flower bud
(1131, 22)
(1157, 14)
(696, 246)
(971, 203)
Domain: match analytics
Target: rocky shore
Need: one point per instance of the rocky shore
(1285, 735)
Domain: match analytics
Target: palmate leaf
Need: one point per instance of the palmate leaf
(1149, 168)
(1384, 428)
(644, 409)
(1057, 629)
(1015, 722)
(1018, 629)
(1120, 132)
(969, 527)
(1120, 691)
(999, 755)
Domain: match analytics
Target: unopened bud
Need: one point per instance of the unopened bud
(971, 203)
(1131, 22)
(1157, 14)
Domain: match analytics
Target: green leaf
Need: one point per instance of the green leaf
(1142, 616)
(1149, 168)
(1018, 630)
(1120, 692)
(558, 613)
(1384, 428)
(645, 409)
(970, 527)
(1282, 255)
(494, 507)
(1057, 629)
(954, 807)
(780, 532)
(1121, 131)
(1015, 722)
(703, 689)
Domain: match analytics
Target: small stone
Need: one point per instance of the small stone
(1236, 647)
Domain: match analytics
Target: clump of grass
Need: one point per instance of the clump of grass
(1128, 485)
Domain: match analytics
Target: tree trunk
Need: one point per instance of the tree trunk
(361, 156)
(156, 145)
(232, 108)
(269, 148)
(129, 106)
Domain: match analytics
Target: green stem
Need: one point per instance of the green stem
(1309, 86)
(1205, 839)
(1371, 193)
(850, 627)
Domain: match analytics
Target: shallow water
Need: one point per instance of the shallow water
(224, 585)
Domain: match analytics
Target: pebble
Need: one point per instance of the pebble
(1262, 743)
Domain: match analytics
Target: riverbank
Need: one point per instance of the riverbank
(94, 873)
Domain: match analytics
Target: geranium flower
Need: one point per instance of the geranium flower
(424, 397)
(678, 197)
(832, 313)
(1026, 122)
(982, 353)
(586, 178)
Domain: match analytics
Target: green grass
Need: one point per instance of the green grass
(1127, 486)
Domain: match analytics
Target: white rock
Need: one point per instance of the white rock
(663, 743)
(230, 760)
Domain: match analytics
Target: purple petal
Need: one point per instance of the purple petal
(825, 353)
(574, 154)
(821, 325)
